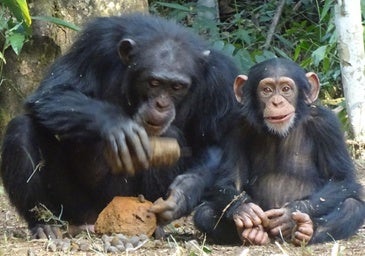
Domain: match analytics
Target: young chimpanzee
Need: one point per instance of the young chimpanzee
(84, 136)
(286, 172)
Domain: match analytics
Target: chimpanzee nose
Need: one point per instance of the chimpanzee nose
(162, 102)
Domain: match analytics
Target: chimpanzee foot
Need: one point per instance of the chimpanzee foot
(74, 230)
(45, 231)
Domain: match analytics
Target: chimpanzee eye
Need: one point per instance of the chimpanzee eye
(286, 89)
(267, 90)
(154, 83)
(177, 86)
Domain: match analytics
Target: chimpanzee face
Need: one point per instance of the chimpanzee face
(278, 97)
(162, 76)
(275, 88)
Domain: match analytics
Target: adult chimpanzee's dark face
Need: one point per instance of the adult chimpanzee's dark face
(162, 76)
(277, 88)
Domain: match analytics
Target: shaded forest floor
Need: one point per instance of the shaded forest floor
(182, 239)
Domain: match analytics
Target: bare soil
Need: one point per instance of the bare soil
(182, 239)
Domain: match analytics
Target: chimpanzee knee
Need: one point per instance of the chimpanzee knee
(210, 221)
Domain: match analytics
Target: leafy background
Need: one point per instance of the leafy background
(305, 33)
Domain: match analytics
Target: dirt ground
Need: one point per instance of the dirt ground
(182, 239)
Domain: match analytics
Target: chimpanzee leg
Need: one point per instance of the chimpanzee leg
(341, 223)
(21, 167)
(206, 218)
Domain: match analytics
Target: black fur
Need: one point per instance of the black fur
(53, 154)
(310, 168)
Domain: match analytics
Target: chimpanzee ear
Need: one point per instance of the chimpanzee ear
(125, 48)
(239, 82)
(315, 86)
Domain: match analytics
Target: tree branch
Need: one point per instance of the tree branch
(274, 23)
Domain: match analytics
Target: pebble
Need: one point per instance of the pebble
(107, 243)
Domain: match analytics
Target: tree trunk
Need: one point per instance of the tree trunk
(351, 50)
(23, 73)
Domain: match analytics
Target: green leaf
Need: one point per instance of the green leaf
(19, 8)
(57, 21)
(229, 49)
(319, 54)
(16, 41)
(25, 11)
(327, 6)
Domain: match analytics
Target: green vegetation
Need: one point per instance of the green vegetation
(15, 26)
(305, 32)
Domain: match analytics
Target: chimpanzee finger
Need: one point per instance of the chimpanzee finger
(274, 213)
(301, 218)
(164, 210)
(111, 155)
(301, 238)
(43, 231)
(255, 236)
(284, 229)
(38, 233)
(161, 205)
(244, 219)
(143, 137)
(306, 230)
(238, 221)
(138, 148)
(124, 154)
(261, 236)
(259, 217)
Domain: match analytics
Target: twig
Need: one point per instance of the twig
(227, 206)
(274, 23)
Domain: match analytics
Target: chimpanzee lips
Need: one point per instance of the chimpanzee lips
(153, 124)
(279, 118)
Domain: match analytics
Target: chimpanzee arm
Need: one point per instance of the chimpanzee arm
(69, 113)
(187, 189)
(336, 209)
(333, 163)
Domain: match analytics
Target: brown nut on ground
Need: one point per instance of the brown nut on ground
(127, 215)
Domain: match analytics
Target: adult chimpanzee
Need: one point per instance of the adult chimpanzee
(286, 171)
(124, 79)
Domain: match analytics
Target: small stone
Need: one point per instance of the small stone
(128, 246)
(143, 237)
(121, 247)
(112, 249)
(106, 238)
(84, 245)
(134, 240)
(115, 241)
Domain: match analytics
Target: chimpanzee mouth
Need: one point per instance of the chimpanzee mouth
(150, 124)
(279, 119)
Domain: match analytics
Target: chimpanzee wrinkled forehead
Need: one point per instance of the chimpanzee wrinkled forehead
(278, 67)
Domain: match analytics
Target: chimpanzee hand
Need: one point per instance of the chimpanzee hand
(304, 229)
(296, 226)
(127, 146)
(250, 222)
(168, 210)
(255, 235)
(187, 189)
(280, 222)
